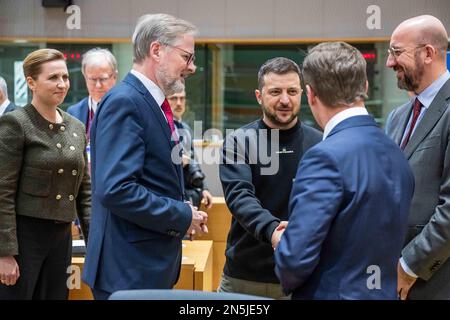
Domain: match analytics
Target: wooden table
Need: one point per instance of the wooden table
(196, 266)
(196, 270)
(219, 222)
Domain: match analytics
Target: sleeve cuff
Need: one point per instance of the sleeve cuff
(270, 229)
(407, 269)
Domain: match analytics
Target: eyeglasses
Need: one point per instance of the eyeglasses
(174, 99)
(398, 52)
(102, 80)
(188, 56)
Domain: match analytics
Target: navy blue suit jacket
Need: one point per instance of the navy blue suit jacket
(80, 110)
(348, 216)
(11, 106)
(138, 215)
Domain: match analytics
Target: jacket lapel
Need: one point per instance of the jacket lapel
(154, 107)
(135, 82)
(403, 114)
(431, 117)
(84, 111)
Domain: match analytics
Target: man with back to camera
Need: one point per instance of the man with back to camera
(139, 216)
(257, 196)
(418, 53)
(350, 199)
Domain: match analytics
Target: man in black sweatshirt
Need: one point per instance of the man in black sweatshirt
(259, 163)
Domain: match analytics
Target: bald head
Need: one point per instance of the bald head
(423, 30)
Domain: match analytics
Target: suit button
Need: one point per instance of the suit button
(71, 197)
(58, 145)
(62, 128)
(50, 126)
(72, 148)
(75, 135)
(74, 172)
(173, 233)
(60, 171)
(58, 197)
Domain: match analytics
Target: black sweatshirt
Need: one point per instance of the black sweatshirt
(258, 202)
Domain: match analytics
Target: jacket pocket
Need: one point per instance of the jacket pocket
(36, 182)
(135, 233)
(430, 142)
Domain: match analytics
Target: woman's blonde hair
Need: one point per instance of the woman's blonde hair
(32, 64)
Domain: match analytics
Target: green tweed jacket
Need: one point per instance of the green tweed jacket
(43, 172)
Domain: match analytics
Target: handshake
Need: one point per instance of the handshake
(198, 223)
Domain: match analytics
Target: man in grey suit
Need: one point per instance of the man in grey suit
(5, 104)
(417, 54)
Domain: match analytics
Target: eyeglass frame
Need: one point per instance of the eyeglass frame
(190, 58)
(174, 98)
(395, 53)
(101, 80)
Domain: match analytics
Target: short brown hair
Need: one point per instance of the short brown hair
(278, 65)
(336, 72)
(33, 62)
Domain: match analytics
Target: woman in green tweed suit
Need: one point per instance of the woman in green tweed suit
(44, 184)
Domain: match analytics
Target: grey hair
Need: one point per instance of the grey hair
(97, 56)
(3, 87)
(160, 27)
(278, 65)
(336, 72)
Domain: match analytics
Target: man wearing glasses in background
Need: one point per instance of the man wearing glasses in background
(99, 68)
(421, 127)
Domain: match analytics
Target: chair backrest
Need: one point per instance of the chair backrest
(158, 294)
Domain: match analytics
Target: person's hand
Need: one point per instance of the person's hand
(185, 159)
(404, 282)
(9, 271)
(207, 199)
(277, 233)
(198, 223)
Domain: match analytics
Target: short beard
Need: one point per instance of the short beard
(169, 86)
(411, 80)
(275, 120)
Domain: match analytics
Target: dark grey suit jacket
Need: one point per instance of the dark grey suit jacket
(43, 172)
(428, 152)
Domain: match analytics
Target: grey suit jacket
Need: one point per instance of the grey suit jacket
(428, 152)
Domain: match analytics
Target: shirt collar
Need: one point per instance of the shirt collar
(92, 104)
(4, 105)
(154, 90)
(427, 96)
(341, 116)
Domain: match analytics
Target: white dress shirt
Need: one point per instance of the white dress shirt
(341, 116)
(154, 90)
(3, 106)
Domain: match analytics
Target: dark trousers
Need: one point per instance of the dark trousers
(45, 250)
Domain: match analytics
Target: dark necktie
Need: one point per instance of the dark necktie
(169, 116)
(416, 112)
(89, 122)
